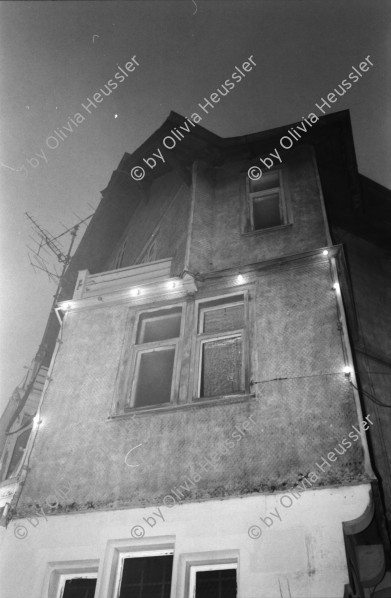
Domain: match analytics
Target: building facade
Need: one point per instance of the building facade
(201, 430)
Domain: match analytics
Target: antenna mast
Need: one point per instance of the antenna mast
(49, 243)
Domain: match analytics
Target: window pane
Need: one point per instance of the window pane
(267, 181)
(216, 584)
(159, 325)
(79, 588)
(224, 319)
(147, 577)
(221, 367)
(154, 377)
(18, 452)
(266, 211)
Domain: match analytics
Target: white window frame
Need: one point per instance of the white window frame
(203, 338)
(253, 195)
(139, 349)
(210, 567)
(58, 572)
(64, 577)
(135, 555)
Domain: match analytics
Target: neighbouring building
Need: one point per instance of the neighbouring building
(207, 413)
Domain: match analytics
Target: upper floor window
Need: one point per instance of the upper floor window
(162, 366)
(266, 202)
(157, 337)
(221, 347)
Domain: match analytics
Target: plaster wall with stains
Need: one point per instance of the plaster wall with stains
(302, 403)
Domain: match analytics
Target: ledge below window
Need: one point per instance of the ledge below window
(267, 230)
(197, 403)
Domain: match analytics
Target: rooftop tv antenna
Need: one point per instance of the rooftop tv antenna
(50, 244)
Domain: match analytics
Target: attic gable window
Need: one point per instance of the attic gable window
(266, 202)
(221, 347)
(155, 355)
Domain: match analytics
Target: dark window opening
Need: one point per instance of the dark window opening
(156, 342)
(147, 577)
(79, 588)
(266, 211)
(154, 377)
(216, 584)
(266, 202)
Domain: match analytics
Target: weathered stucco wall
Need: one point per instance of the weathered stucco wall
(299, 419)
(218, 241)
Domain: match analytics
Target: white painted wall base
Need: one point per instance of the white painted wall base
(300, 555)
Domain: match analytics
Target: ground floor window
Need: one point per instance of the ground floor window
(79, 588)
(146, 577)
(213, 581)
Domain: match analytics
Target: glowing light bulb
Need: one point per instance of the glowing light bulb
(336, 286)
(325, 252)
(36, 420)
(135, 292)
(347, 370)
(240, 279)
(172, 284)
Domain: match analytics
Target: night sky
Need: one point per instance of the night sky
(54, 55)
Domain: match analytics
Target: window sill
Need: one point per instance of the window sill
(267, 230)
(197, 403)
